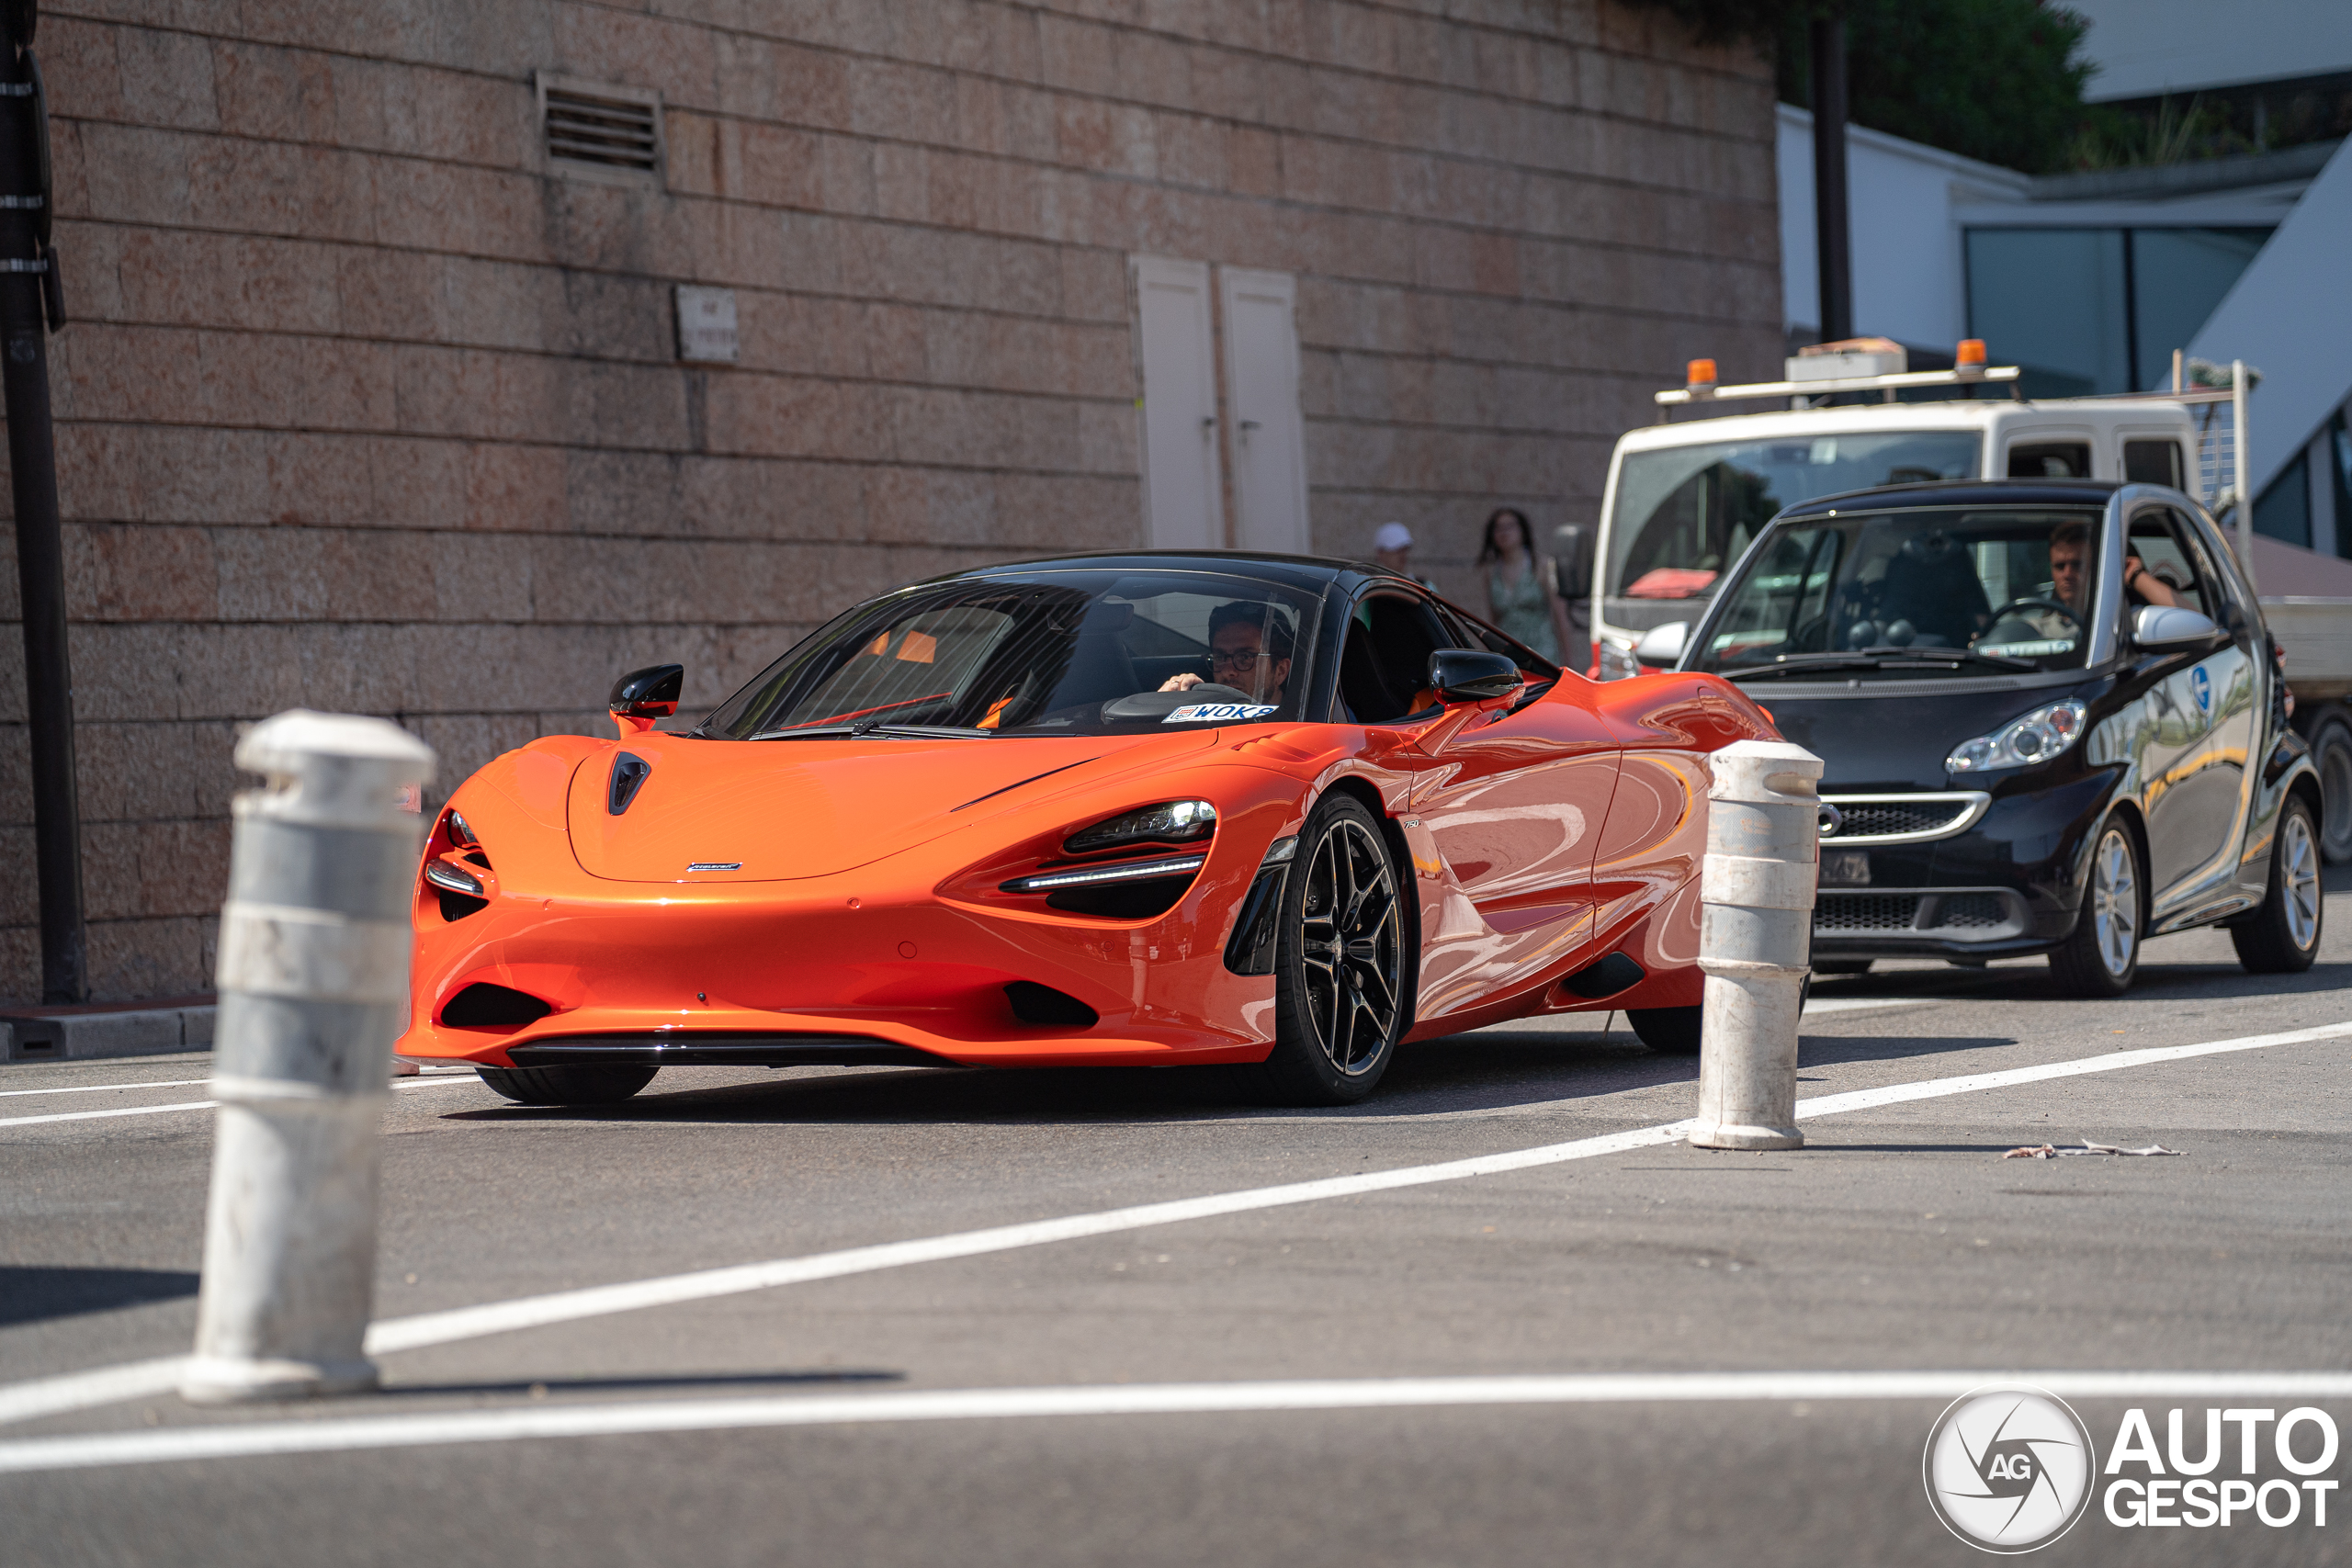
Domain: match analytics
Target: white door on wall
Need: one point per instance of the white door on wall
(1261, 395)
(1182, 506)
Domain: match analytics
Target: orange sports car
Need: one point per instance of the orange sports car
(1152, 809)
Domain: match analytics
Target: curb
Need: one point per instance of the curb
(104, 1030)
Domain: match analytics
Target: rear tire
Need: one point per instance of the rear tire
(2331, 751)
(2283, 936)
(2101, 958)
(567, 1085)
(1342, 964)
(1837, 968)
(1669, 1031)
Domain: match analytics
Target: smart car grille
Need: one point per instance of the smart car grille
(1867, 821)
(1903, 818)
(1973, 910)
(1870, 912)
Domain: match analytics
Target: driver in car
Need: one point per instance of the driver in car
(2070, 546)
(1239, 654)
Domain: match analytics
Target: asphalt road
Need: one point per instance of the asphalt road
(728, 1428)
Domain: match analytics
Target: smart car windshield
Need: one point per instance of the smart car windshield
(1932, 591)
(1043, 653)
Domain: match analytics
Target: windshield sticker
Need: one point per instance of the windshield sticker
(2031, 650)
(1219, 713)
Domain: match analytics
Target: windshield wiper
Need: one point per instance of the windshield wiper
(1881, 658)
(865, 728)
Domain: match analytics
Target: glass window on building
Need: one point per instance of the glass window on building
(2084, 311)
(2284, 511)
(2179, 275)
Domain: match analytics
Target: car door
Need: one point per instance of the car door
(1503, 817)
(2228, 682)
(2189, 794)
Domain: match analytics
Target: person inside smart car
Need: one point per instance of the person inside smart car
(1249, 651)
(2070, 580)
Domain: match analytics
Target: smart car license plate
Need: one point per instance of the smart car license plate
(1844, 868)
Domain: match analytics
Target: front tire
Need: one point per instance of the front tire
(1341, 964)
(1669, 1031)
(2283, 936)
(2102, 957)
(567, 1085)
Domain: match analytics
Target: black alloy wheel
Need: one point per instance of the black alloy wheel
(2283, 936)
(567, 1085)
(2101, 957)
(1342, 965)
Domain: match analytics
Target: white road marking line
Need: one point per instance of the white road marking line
(94, 1116)
(183, 1105)
(53, 1395)
(253, 1440)
(97, 1087)
(596, 1300)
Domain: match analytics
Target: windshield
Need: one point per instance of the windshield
(1939, 589)
(1683, 515)
(1067, 653)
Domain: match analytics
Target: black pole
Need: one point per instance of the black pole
(1831, 246)
(30, 304)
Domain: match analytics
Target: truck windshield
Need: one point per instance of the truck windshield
(1686, 513)
(1937, 590)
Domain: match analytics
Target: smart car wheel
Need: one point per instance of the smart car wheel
(2102, 956)
(2283, 936)
(567, 1085)
(1340, 969)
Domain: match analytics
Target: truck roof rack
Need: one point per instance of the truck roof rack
(1965, 375)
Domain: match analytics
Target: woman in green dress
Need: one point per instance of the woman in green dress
(1523, 588)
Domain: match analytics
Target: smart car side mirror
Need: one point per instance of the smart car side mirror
(2171, 629)
(1474, 675)
(1661, 647)
(643, 695)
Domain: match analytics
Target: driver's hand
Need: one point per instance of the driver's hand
(1184, 682)
(2131, 565)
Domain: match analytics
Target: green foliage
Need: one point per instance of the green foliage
(1996, 80)
(2000, 81)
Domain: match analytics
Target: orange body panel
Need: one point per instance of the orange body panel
(851, 886)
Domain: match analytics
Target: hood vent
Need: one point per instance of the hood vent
(630, 774)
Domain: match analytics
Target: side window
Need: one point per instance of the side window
(2050, 460)
(2152, 463)
(2161, 543)
(1384, 668)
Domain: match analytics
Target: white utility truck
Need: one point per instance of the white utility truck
(1685, 497)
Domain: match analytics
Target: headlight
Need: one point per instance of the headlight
(1618, 663)
(2038, 737)
(1170, 822)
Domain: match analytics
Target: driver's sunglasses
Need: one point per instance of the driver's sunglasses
(1235, 660)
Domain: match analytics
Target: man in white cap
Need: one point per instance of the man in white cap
(1393, 548)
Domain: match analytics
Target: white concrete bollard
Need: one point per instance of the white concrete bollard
(313, 979)
(1756, 890)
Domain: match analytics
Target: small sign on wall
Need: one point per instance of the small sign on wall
(706, 324)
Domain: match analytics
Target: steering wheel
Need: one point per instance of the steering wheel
(2035, 601)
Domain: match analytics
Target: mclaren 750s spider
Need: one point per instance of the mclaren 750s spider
(1147, 810)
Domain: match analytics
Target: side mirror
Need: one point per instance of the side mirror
(1661, 647)
(2168, 628)
(1468, 676)
(643, 695)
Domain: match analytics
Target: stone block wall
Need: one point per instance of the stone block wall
(362, 408)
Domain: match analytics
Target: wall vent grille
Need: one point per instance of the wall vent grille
(597, 131)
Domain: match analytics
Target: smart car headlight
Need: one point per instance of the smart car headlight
(1170, 822)
(2035, 738)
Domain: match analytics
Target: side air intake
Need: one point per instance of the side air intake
(484, 1006)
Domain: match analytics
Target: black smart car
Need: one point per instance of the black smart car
(2053, 719)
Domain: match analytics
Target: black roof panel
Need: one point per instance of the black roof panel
(1960, 493)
